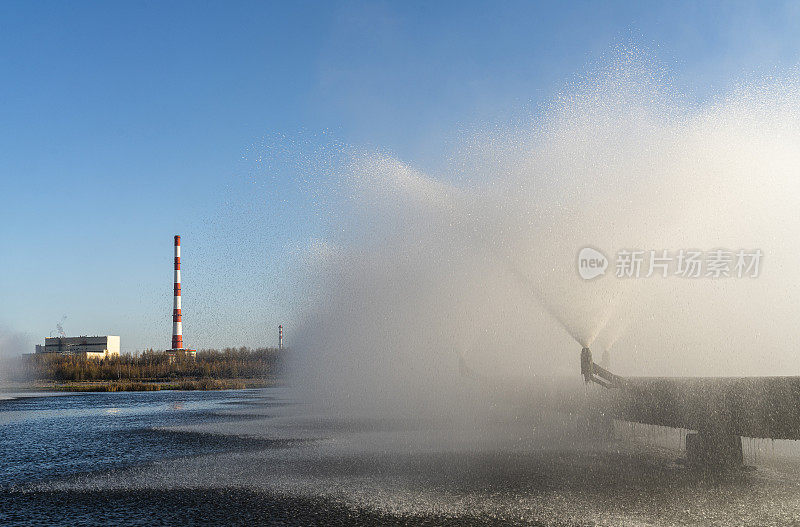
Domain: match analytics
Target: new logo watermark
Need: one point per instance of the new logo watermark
(683, 263)
(591, 263)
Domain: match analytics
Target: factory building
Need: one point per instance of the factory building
(89, 347)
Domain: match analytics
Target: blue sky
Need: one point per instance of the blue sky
(123, 123)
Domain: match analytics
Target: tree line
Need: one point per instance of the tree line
(150, 365)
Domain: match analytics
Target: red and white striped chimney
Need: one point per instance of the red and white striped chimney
(177, 330)
(280, 337)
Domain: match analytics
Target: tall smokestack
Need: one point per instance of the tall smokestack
(177, 330)
(280, 337)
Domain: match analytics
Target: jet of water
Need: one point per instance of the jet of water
(482, 256)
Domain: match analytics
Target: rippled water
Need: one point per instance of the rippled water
(253, 457)
(43, 437)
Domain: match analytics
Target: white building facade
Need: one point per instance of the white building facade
(90, 347)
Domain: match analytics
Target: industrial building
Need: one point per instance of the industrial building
(89, 347)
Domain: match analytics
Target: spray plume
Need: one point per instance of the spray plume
(482, 256)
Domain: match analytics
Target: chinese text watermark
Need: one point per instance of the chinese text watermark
(683, 263)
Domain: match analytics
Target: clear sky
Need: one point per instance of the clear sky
(123, 123)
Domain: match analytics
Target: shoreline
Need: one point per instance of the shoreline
(127, 385)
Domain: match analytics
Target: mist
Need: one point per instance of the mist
(12, 345)
(480, 259)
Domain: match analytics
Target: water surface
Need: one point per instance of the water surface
(254, 457)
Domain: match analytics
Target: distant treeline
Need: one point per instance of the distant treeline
(156, 366)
